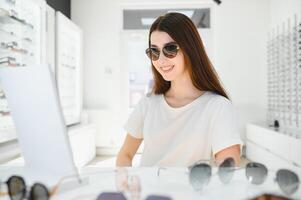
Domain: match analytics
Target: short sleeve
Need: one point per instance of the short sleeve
(134, 124)
(224, 126)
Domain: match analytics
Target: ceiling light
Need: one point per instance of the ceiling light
(147, 21)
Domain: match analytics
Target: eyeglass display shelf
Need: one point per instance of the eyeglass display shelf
(7, 18)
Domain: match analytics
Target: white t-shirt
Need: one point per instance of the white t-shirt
(182, 136)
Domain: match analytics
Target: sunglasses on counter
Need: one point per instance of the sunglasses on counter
(170, 50)
(200, 173)
(287, 180)
(121, 196)
(256, 173)
(17, 190)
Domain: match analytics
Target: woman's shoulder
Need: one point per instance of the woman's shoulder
(152, 97)
(218, 101)
(149, 99)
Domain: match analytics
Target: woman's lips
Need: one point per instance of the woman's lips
(167, 68)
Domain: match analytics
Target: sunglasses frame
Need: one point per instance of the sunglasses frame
(227, 165)
(24, 192)
(279, 173)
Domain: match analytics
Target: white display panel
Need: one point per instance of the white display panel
(69, 67)
(22, 28)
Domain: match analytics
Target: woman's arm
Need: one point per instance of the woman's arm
(232, 151)
(127, 151)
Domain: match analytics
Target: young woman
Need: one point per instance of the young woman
(188, 116)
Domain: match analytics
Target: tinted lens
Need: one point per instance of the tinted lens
(157, 197)
(288, 181)
(226, 170)
(39, 192)
(170, 51)
(16, 188)
(199, 175)
(111, 196)
(148, 53)
(256, 173)
(152, 53)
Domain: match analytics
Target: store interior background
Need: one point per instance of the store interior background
(238, 42)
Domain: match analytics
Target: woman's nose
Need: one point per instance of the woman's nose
(162, 58)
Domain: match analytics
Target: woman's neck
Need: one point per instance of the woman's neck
(183, 88)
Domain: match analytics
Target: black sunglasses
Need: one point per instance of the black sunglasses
(17, 190)
(170, 50)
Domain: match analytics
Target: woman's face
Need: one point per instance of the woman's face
(170, 69)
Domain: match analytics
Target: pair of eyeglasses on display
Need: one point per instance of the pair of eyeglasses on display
(256, 173)
(9, 62)
(13, 46)
(13, 15)
(170, 50)
(17, 190)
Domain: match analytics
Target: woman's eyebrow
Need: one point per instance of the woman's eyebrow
(168, 43)
(173, 42)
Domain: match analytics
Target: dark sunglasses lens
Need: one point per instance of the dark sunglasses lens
(256, 173)
(16, 188)
(226, 170)
(157, 197)
(111, 196)
(170, 51)
(39, 192)
(148, 53)
(199, 176)
(152, 53)
(288, 181)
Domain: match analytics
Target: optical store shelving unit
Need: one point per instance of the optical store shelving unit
(278, 143)
(21, 44)
(27, 38)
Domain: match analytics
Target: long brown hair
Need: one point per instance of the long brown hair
(181, 29)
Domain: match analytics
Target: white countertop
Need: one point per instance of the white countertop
(172, 182)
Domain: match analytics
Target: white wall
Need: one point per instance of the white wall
(240, 42)
(281, 10)
(241, 30)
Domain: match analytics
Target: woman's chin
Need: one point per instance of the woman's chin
(167, 78)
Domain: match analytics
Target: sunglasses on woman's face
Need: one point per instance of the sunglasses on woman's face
(170, 50)
(17, 190)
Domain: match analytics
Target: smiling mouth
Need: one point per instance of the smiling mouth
(167, 69)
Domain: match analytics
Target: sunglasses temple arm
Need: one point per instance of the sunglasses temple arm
(56, 187)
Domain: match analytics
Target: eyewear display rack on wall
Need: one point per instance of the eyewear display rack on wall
(69, 67)
(284, 75)
(22, 25)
